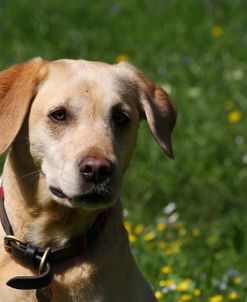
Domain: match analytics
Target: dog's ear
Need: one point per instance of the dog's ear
(157, 107)
(160, 112)
(18, 86)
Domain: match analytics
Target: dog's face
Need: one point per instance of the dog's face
(82, 126)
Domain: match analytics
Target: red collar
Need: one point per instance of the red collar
(44, 259)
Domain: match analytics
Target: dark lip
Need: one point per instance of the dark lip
(57, 192)
(92, 197)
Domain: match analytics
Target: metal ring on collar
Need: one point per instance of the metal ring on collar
(43, 260)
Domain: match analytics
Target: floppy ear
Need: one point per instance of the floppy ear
(160, 112)
(18, 86)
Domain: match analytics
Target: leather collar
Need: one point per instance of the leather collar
(43, 260)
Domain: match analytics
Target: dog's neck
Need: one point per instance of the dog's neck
(37, 218)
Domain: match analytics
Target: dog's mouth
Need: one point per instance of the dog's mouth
(93, 196)
(57, 192)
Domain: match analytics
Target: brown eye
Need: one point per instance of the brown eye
(120, 118)
(59, 115)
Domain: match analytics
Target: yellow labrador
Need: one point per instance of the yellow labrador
(72, 128)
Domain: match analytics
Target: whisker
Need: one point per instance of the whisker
(35, 173)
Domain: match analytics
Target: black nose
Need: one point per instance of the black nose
(95, 169)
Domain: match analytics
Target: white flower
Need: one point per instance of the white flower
(232, 272)
(169, 208)
(244, 159)
(169, 288)
(223, 285)
(194, 92)
(239, 140)
(237, 75)
(173, 218)
(125, 212)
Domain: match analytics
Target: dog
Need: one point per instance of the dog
(71, 128)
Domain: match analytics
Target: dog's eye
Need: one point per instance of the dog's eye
(120, 118)
(59, 115)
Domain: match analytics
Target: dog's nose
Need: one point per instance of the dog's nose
(95, 169)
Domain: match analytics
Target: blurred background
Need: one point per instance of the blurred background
(186, 217)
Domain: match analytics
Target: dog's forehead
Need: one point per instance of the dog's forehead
(86, 81)
(85, 73)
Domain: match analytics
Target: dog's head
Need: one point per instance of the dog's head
(78, 122)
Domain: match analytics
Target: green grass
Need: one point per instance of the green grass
(177, 44)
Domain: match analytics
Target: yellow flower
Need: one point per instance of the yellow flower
(149, 236)
(176, 246)
(122, 57)
(234, 116)
(216, 31)
(212, 240)
(237, 280)
(196, 232)
(169, 251)
(138, 229)
(166, 283)
(182, 231)
(132, 238)
(128, 225)
(233, 296)
(162, 245)
(158, 294)
(216, 298)
(184, 285)
(197, 292)
(166, 269)
(161, 226)
(185, 298)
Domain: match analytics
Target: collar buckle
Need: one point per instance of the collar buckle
(10, 238)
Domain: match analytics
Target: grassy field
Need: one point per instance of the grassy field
(186, 218)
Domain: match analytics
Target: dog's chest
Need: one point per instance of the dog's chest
(79, 283)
